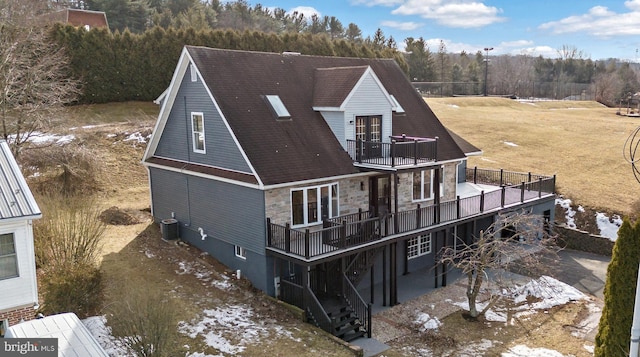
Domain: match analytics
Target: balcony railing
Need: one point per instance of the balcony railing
(401, 151)
(344, 232)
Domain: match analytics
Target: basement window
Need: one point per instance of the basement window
(241, 252)
(419, 246)
(278, 107)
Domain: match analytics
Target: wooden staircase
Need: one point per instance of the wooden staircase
(345, 324)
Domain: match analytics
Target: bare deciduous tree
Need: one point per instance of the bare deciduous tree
(512, 240)
(34, 82)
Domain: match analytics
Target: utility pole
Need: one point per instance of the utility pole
(486, 68)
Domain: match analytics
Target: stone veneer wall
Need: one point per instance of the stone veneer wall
(351, 197)
(405, 188)
(571, 238)
(20, 314)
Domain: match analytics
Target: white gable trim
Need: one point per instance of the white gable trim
(372, 74)
(167, 104)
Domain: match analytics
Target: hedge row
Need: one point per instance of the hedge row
(116, 67)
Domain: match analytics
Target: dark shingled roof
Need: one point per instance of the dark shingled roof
(333, 85)
(304, 147)
(77, 17)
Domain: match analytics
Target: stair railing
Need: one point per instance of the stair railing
(318, 314)
(361, 308)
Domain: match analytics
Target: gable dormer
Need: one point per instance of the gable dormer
(354, 103)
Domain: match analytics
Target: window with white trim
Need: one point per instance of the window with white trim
(8, 257)
(241, 252)
(310, 205)
(419, 246)
(423, 184)
(197, 132)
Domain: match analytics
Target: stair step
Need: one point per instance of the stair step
(349, 331)
(352, 336)
(339, 314)
(348, 320)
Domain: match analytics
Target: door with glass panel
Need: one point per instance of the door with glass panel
(369, 136)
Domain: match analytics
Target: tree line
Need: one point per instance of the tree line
(569, 75)
(124, 66)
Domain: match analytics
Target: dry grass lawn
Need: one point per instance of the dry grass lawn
(580, 142)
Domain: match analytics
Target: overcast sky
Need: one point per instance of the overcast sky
(599, 28)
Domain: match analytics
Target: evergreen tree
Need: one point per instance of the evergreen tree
(614, 331)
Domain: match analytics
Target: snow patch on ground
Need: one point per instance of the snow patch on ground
(204, 274)
(548, 292)
(230, 329)
(114, 347)
(569, 212)
(509, 143)
(427, 322)
(608, 227)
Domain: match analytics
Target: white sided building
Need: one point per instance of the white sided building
(18, 209)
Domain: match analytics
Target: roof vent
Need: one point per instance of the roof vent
(287, 53)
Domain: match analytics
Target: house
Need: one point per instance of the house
(79, 18)
(319, 177)
(18, 209)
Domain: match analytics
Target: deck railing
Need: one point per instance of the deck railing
(398, 152)
(343, 232)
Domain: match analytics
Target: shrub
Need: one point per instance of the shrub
(69, 232)
(72, 288)
(145, 320)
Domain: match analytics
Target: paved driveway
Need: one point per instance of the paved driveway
(586, 272)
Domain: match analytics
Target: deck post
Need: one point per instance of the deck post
(269, 234)
(475, 175)
(522, 192)
(415, 151)
(287, 237)
(384, 276)
(436, 264)
(501, 176)
(369, 320)
(372, 285)
(457, 207)
(504, 192)
(481, 201)
(418, 214)
(393, 153)
(405, 258)
(393, 274)
(306, 243)
(540, 187)
(343, 234)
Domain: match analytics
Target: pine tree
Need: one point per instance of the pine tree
(614, 331)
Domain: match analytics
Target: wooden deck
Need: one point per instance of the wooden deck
(358, 230)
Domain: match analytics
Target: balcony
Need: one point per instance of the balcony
(485, 191)
(401, 151)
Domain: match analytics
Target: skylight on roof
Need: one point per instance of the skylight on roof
(397, 107)
(278, 107)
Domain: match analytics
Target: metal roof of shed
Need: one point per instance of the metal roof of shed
(16, 200)
(74, 339)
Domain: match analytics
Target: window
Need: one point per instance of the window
(8, 257)
(423, 184)
(278, 107)
(194, 73)
(419, 246)
(197, 129)
(310, 205)
(241, 252)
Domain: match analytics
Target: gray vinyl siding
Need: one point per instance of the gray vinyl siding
(226, 212)
(176, 141)
(256, 267)
(368, 99)
(337, 123)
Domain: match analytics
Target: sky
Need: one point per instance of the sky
(599, 29)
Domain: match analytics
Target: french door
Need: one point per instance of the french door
(369, 131)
